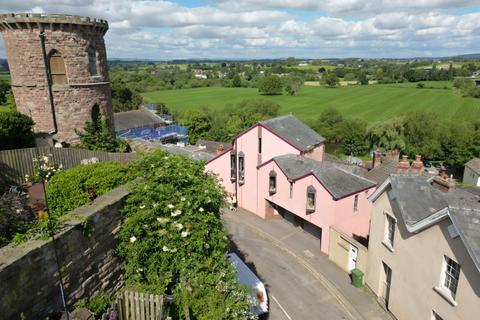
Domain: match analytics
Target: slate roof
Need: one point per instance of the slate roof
(135, 119)
(418, 200)
(338, 181)
(474, 164)
(380, 173)
(294, 131)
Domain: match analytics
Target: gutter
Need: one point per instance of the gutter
(49, 82)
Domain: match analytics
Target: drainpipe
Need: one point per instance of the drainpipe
(236, 174)
(49, 82)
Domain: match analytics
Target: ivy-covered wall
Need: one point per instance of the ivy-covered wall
(28, 273)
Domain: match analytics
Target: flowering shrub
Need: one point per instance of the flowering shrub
(173, 239)
(43, 170)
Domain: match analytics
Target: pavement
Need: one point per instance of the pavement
(302, 283)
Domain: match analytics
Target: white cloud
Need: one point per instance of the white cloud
(252, 29)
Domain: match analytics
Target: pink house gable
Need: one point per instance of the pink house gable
(294, 154)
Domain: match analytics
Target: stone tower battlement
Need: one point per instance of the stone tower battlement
(76, 56)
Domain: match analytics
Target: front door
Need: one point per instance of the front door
(352, 257)
(387, 283)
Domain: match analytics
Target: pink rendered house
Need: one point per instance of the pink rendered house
(276, 168)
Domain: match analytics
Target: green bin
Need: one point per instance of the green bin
(357, 277)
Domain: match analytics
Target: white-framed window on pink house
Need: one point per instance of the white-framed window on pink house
(311, 195)
(241, 168)
(272, 182)
(233, 167)
(355, 203)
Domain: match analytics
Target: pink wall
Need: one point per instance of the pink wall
(317, 153)
(221, 167)
(273, 146)
(327, 211)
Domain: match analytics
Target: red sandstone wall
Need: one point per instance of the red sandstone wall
(73, 102)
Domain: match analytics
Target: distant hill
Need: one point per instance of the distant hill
(470, 56)
(3, 65)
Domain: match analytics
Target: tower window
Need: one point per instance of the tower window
(57, 68)
(92, 61)
(241, 168)
(272, 182)
(311, 193)
(233, 167)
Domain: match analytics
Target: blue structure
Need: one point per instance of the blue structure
(171, 133)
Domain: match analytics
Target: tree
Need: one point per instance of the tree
(198, 123)
(291, 61)
(353, 136)
(271, 85)
(330, 80)
(422, 133)
(16, 130)
(387, 135)
(97, 135)
(4, 91)
(362, 78)
(236, 81)
(349, 77)
(328, 124)
(293, 85)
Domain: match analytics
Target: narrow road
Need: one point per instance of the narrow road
(295, 292)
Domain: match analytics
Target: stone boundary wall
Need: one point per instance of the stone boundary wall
(29, 281)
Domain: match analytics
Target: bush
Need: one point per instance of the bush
(271, 85)
(173, 239)
(16, 130)
(72, 188)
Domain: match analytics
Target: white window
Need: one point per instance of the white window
(311, 193)
(451, 274)
(233, 167)
(390, 230)
(355, 203)
(241, 168)
(272, 182)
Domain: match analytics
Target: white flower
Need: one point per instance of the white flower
(142, 206)
(183, 199)
(201, 209)
(185, 233)
(176, 213)
(171, 206)
(165, 249)
(133, 239)
(152, 166)
(179, 226)
(207, 245)
(162, 220)
(155, 204)
(173, 250)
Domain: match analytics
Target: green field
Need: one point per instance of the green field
(4, 76)
(371, 103)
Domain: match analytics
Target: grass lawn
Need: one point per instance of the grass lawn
(371, 103)
(4, 76)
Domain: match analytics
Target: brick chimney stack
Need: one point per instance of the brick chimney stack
(377, 159)
(403, 165)
(392, 154)
(443, 181)
(417, 165)
(219, 149)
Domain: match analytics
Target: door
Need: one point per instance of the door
(352, 257)
(387, 283)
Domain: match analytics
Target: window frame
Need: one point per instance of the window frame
(311, 191)
(272, 177)
(260, 145)
(389, 236)
(233, 167)
(355, 203)
(291, 189)
(92, 61)
(450, 278)
(241, 168)
(57, 76)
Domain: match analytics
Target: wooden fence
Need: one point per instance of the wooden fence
(15, 164)
(139, 306)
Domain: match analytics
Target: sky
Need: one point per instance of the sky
(255, 29)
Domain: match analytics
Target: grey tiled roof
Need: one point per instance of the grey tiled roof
(474, 164)
(294, 131)
(380, 173)
(418, 200)
(211, 146)
(338, 181)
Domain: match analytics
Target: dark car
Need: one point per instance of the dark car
(427, 163)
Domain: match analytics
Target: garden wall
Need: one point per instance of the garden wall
(28, 273)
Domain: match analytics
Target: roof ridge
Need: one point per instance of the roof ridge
(353, 174)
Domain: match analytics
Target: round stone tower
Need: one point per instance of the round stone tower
(74, 50)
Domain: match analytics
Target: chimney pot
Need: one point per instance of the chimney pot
(219, 149)
(377, 159)
(417, 165)
(403, 165)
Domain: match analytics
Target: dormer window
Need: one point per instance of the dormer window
(92, 61)
(241, 168)
(311, 194)
(272, 182)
